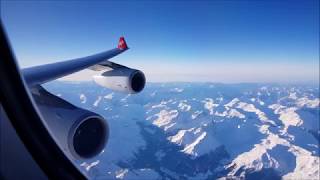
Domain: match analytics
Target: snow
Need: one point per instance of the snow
(310, 103)
(165, 117)
(144, 172)
(209, 105)
(234, 113)
(195, 114)
(183, 106)
(178, 90)
(88, 166)
(109, 96)
(125, 98)
(83, 98)
(261, 102)
(288, 116)
(231, 113)
(121, 173)
(307, 166)
(232, 102)
(250, 125)
(162, 104)
(189, 148)
(253, 158)
(178, 137)
(251, 108)
(96, 103)
(169, 126)
(293, 95)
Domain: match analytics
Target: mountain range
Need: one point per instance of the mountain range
(203, 130)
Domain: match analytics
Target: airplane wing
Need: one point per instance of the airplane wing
(55, 131)
(41, 74)
(65, 119)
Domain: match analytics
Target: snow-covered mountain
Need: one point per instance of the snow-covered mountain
(204, 130)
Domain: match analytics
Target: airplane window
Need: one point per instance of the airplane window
(163, 90)
(26, 144)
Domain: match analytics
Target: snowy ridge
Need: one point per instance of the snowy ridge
(165, 117)
(189, 149)
(204, 131)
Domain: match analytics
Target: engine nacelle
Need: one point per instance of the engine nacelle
(80, 133)
(122, 79)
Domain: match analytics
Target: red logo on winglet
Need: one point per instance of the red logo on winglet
(122, 43)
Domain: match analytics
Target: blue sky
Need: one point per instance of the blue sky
(224, 41)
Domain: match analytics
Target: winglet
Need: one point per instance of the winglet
(122, 44)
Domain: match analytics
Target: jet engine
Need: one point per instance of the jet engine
(122, 79)
(80, 133)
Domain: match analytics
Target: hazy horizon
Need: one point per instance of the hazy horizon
(227, 42)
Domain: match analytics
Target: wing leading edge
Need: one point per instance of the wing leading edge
(44, 73)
